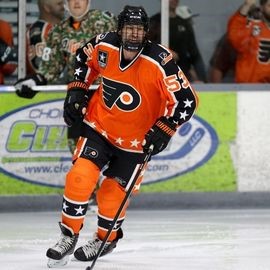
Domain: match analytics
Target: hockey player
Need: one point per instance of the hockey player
(129, 112)
(61, 45)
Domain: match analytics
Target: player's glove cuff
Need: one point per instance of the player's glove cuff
(77, 85)
(166, 126)
(159, 135)
(77, 98)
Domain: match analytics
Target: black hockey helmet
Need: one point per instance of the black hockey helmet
(133, 15)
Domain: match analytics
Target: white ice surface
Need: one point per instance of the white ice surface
(153, 240)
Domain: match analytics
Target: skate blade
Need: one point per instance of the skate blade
(58, 263)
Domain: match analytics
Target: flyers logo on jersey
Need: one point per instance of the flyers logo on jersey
(121, 95)
(165, 58)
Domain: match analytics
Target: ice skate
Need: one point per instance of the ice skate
(59, 254)
(90, 250)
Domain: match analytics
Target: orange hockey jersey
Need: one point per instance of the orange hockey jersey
(251, 40)
(132, 95)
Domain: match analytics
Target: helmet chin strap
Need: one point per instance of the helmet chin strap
(131, 46)
(77, 17)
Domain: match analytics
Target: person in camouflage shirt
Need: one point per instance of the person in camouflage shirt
(59, 54)
(67, 37)
(51, 12)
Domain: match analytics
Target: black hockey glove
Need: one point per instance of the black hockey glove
(159, 135)
(24, 86)
(7, 53)
(76, 100)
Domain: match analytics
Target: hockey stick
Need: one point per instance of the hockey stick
(43, 88)
(128, 194)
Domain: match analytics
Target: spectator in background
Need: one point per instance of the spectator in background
(182, 40)
(222, 62)
(59, 54)
(251, 39)
(67, 37)
(51, 12)
(8, 54)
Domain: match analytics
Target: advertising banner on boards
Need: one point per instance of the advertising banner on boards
(33, 146)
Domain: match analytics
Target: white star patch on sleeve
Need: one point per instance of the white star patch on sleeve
(77, 71)
(188, 103)
(183, 115)
(78, 58)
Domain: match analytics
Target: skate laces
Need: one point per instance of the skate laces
(63, 244)
(92, 247)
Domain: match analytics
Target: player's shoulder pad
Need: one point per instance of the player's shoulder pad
(110, 38)
(158, 53)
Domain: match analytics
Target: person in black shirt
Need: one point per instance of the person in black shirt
(182, 40)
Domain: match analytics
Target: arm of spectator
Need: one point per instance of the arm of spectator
(238, 32)
(8, 62)
(222, 60)
(8, 54)
(215, 75)
(247, 5)
(8, 59)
